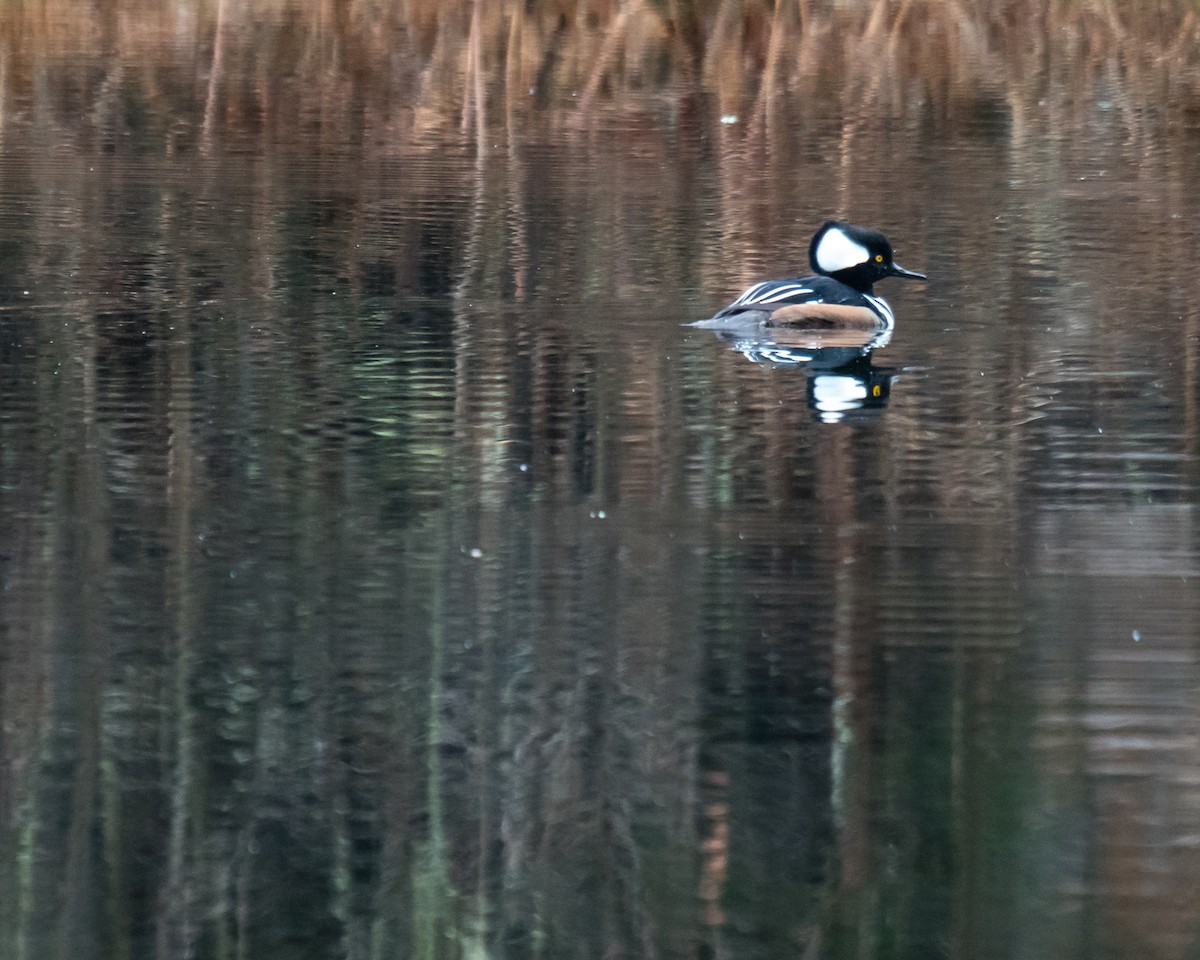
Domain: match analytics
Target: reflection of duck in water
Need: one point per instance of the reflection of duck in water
(848, 261)
(839, 386)
(841, 377)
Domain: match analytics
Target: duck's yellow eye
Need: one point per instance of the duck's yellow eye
(879, 258)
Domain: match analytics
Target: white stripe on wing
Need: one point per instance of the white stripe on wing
(754, 290)
(783, 293)
(884, 309)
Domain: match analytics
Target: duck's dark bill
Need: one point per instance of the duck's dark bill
(899, 271)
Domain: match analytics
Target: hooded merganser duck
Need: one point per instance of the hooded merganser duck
(848, 261)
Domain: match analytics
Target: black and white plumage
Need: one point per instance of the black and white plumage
(770, 295)
(847, 261)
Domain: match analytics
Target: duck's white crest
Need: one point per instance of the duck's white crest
(836, 251)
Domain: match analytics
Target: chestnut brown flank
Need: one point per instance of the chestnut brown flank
(831, 314)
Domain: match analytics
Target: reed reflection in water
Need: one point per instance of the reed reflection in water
(387, 572)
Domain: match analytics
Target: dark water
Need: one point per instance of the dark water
(387, 572)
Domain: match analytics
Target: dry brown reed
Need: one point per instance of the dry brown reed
(474, 61)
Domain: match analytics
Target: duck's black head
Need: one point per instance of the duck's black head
(855, 256)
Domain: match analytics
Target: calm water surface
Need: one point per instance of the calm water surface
(387, 572)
